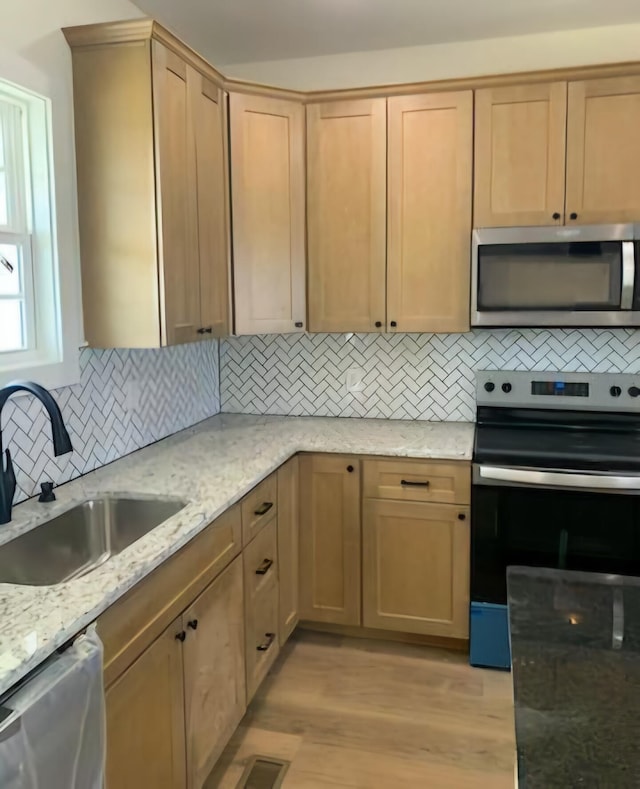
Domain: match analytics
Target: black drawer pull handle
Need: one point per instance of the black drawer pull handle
(266, 644)
(408, 482)
(264, 568)
(193, 624)
(206, 330)
(298, 324)
(264, 507)
(181, 635)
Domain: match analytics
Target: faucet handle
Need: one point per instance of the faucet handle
(47, 494)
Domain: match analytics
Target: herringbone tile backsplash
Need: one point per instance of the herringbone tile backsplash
(404, 376)
(125, 400)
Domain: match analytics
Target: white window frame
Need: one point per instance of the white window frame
(52, 355)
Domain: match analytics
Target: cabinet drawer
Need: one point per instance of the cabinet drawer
(259, 507)
(262, 638)
(261, 562)
(418, 480)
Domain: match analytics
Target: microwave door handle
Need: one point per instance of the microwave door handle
(628, 275)
(561, 479)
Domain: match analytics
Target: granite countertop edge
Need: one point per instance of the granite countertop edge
(211, 466)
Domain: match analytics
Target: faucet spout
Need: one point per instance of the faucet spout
(61, 440)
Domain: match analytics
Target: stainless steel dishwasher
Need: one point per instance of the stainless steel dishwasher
(52, 727)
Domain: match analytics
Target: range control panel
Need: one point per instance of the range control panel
(589, 391)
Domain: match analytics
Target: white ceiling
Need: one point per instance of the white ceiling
(243, 31)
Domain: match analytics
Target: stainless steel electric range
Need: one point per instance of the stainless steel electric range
(556, 483)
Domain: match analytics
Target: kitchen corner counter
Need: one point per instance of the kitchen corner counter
(211, 466)
(575, 642)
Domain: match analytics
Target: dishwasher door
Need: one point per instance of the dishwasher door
(52, 729)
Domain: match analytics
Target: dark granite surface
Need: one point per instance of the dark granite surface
(575, 644)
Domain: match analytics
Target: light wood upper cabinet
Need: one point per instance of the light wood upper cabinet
(268, 201)
(520, 155)
(214, 671)
(288, 546)
(212, 178)
(416, 567)
(177, 197)
(346, 203)
(150, 137)
(430, 151)
(603, 151)
(145, 720)
(330, 539)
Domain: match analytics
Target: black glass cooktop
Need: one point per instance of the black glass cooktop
(558, 439)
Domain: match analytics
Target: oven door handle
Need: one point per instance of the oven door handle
(558, 478)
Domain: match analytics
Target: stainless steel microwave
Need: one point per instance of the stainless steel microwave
(556, 276)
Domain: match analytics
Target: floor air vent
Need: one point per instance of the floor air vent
(262, 772)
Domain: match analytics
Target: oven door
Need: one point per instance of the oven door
(540, 518)
(555, 276)
(557, 519)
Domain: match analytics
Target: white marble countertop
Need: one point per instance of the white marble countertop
(211, 466)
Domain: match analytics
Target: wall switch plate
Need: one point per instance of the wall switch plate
(355, 380)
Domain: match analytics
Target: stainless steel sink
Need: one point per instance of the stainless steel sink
(81, 539)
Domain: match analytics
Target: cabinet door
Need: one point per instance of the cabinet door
(346, 199)
(330, 539)
(214, 670)
(145, 719)
(520, 155)
(267, 192)
(416, 567)
(288, 547)
(207, 103)
(429, 212)
(603, 151)
(176, 196)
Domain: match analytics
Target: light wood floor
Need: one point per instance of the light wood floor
(353, 713)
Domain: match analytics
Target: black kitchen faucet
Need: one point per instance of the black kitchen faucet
(61, 440)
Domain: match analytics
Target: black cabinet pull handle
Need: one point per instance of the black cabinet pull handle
(349, 469)
(462, 516)
(409, 483)
(393, 324)
(206, 330)
(573, 215)
(378, 324)
(264, 507)
(193, 624)
(181, 635)
(299, 324)
(556, 215)
(266, 644)
(264, 567)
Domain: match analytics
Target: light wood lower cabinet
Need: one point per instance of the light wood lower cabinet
(330, 539)
(214, 671)
(145, 719)
(260, 560)
(288, 546)
(416, 567)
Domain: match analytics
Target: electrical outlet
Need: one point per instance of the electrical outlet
(355, 380)
(132, 394)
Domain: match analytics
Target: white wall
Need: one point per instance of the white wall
(35, 55)
(443, 61)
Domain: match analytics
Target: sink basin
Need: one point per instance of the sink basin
(81, 539)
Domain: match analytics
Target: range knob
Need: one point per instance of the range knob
(634, 391)
(489, 386)
(506, 388)
(615, 391)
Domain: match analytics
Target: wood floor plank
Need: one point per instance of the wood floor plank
(353, 713)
